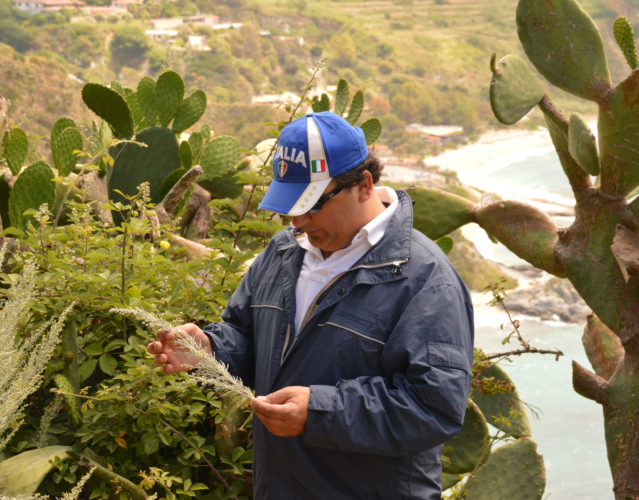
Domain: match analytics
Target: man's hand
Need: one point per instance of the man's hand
(171, 357)
(283, 412)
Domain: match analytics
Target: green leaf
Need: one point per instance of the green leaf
(108, 364)
(150, 443)
(86, 369)
(94, 349)
(23, 473)
(445, 243)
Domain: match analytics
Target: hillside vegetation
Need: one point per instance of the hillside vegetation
(417, 61)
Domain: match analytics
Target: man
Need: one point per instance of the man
(352, 327)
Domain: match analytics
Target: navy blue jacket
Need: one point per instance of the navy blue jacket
(387, 353)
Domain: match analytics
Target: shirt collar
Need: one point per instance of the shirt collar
(373, 231)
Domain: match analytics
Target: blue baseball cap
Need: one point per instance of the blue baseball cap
(310, 151)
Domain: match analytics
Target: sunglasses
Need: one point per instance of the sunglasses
(324, 198)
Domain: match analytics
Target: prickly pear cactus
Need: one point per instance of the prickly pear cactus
(219, 159)
(66, 141)
(372, 127)
(599, 251)
(134, 164)
(33, 187)
(497, 478)
(15, 145)
(111, 107)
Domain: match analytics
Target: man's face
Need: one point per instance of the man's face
(336, 224)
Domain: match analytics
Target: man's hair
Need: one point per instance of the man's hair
(354, 175)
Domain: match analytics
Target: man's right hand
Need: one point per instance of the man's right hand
(171, 357)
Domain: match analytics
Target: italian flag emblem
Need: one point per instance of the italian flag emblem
(318, 166)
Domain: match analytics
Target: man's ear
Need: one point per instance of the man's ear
(365, 186)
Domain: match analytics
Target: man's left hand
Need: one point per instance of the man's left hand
(283, 412)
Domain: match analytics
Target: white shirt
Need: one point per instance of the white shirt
(317, 271)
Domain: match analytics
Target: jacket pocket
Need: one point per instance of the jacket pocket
(448, 355)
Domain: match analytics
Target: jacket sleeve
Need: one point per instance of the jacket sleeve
(232, 339)
(421, 402)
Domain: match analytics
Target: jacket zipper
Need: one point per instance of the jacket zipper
(311, 308)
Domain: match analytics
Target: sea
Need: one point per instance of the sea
(567, 427)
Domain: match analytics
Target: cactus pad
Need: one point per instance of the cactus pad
(372, 130)
(514, 91)
(526, 231)
(136, 113)
(186, 155)
(514, 470)
(321, 103)
(563, 43)
(66, 387)
(582, 145)
(134, 165)
(341, 97)
(357, 105)
(465, 450)
(219, 160)
(33, 187)
(220, 156)
(190, 111)
(63, 145)
(5, 192)
(111, 107)
(502, 404)
(15, 145)
(169, 92)
(618, 125)
(196, 141)
(146, 99)
(437, 213)
(625, 37)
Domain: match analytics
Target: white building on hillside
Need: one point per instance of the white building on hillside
(36, 6)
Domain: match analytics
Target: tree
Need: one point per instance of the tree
(128, 47)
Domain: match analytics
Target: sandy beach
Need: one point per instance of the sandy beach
(492, 145)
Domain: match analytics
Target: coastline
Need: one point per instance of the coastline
(491, 145)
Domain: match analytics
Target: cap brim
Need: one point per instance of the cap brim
(293, 198)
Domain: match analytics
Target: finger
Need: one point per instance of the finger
(270, 411)
(165, 335)
(154, 347)
(160, 359)
(280, 397)
(168, 368)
